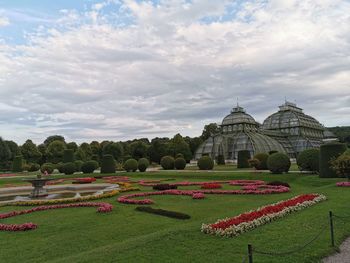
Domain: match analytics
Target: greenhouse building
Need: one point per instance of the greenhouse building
(289, 131)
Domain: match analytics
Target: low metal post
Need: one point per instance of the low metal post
(250, 253)
(331, 226)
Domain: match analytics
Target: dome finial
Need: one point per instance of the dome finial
(237, 103)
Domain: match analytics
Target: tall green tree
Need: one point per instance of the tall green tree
(5, 155)
(14, 149)
(115, 149)
(138, 149)
(55, 151)
(72, 146)
(30, 152)
(209, 130)
(179, 146)
(53, 138)
(42, 149)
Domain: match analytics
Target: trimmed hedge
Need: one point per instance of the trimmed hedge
(180, 163)
(130, 165)
(48, 167)
(162, 187)
(329, 152)
(167, 162)
(242, 159)
(278, 163)
(108, 164)
(68, 156)
(143, 164)
(308, 160)
(60, 168)
(89, 167)
(33, 167)
(205, 163)
(262, 157)
(17, 165)
(162, 212)
(69, 168)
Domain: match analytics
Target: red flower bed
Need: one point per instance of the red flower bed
(101, 208)
(211, 186)
(247, 221)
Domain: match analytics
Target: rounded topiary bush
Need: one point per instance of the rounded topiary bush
(205, 163)
(33, 167)
(78, 164)
(60, 168)
(89, 167)
(130, 165)
(167, 162)
(69, 168)
(68, 156)
(108, 164)
(143, 164)
(272, 152)
(179, 155)
(262, 157)
(17, 165)
(278, 163)
(242, 159)
(308, 160)
(180, 163)
(47, 167)
(329, 152)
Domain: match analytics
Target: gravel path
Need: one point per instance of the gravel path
(343, 256)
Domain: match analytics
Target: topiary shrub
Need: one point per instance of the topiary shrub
(60, 168)
(242, 159)
(220, 159)
(272, 152)
(180, 163)
(162, 187)
(308, 160)
(143, 164)
(108, 164)
(68, 156)
(17, 165)
(33, 167)
(278, 163)
(254, 163)
(89, 167)
(47, 167)
(130, 165)
(78, 165)
(278, 183)
(262, 157)
(341, 165)
(329, 152)
(167, 162)
(69, 168)
(179, 155)
(162, 212)
(205, 163)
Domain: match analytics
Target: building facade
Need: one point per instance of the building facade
(289, 131)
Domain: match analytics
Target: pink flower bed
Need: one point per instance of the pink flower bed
(211, 186)
(343, 184)
(198, 196)
(258, 190)
(101, 208)
(7, 175)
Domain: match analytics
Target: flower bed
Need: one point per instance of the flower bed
(84, 180)
(198, 196)
(127, 199)
(343, 184)
(237, 225)
(211, 186)
(101, 208)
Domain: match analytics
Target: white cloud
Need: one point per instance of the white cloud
(4, 21)
(177, 65)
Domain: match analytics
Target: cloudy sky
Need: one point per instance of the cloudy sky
(124, 69)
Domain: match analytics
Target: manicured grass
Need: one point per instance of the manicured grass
(125, 235)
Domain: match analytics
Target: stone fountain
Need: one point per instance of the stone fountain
(38, 184)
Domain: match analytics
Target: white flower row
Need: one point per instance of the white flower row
(236, 230)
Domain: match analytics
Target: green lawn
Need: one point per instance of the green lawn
(125, 235)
